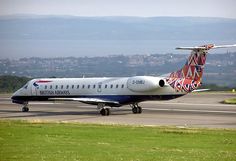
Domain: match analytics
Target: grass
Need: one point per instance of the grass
(24, 141)
(230, 101)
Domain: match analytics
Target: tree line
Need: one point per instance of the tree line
(9, 83)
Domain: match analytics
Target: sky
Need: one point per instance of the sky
(142, 8)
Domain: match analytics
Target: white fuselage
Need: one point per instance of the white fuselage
(122, 90)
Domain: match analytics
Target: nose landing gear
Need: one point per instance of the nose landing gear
(25, 108)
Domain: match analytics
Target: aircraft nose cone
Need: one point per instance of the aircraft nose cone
(16, 98)
(16, 95)
(13, 97)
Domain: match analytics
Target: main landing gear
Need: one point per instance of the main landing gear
(104, 111)
(25, 108)
(136, 108)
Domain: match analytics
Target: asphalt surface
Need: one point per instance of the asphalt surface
(192, 110)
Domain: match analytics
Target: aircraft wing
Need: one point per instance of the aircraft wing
(86, 100)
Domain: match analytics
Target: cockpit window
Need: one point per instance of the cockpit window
(26, 85)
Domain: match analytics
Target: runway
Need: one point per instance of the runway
(192, 110)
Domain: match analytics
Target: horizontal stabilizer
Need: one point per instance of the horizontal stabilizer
(205, 47)
(200, 90)
(224, 46)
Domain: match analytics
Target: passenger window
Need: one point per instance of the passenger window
(106, 86)
(111, 85)
(117, 86)
(61, 86)
(122, 86)
(56, 86)
(45, 87)
(94, 86)
(50, 86)
(72, 86)
(83, 86)
(77, 86)
(67, 87)
(88, 86)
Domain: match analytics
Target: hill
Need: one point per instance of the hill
(60, 36)
(116, 28)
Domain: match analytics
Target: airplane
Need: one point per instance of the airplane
(111, 92)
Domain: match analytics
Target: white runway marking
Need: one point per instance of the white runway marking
(88, 106)
(168, 109)
(5, 98)
(181, 110)
(191, 104)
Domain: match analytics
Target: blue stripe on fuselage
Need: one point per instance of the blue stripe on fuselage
(122, 99)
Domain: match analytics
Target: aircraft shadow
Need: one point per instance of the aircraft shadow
(91, 114)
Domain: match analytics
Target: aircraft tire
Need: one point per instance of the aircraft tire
(25, 109)
(135, 110)
(105, 112)
(140, 110)
(102, 112)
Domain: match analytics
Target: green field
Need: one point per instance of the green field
(59, 141)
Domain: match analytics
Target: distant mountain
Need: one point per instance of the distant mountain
(33, 27)
(60, 36)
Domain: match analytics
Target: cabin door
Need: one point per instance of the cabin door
(34, 89)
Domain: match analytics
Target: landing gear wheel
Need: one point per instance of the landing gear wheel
(105, 112)
(25, 109)
(136, 109)
(102, 112)
(108, 111)
(140, 110)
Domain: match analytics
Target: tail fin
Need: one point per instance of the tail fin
(189, 78)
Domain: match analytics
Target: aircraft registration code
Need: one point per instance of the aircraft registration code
(138, 82)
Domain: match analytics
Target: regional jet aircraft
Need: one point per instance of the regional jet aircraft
(116, 92)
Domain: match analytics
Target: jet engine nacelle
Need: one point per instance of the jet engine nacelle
(144, 83)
